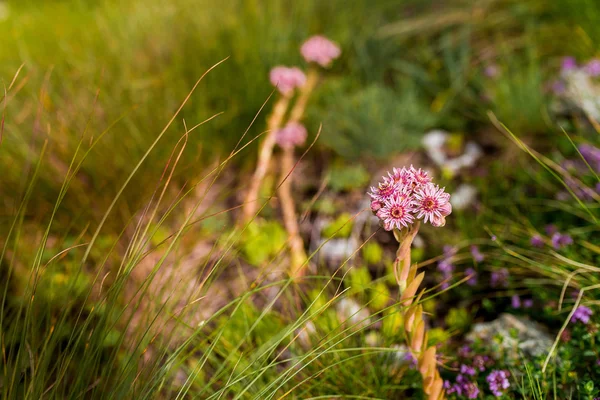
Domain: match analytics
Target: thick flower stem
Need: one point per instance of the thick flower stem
(290, 220)
(412, 311)
(251, 203)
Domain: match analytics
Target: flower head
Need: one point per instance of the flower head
(537, 241)
(410, 194)
(472, 274)
(500, 278)
(498, 382)
(293, 134)
(515, 301)
(384, 190)
(321, 50)
(568, 64)
(396, 213)
(477, 255)
(559, 240)
(592, 68)
(582, 314)
(287, 79)
(431, 202)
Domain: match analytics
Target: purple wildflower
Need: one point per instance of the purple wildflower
(500, 278)
(472, 274)
(477, 255)
(480, 362)
(515, 301)
(550, 229)
(568, 64)
(592, 68)
(582, 314)
(471, 390)
(537, 241)
(491, 71)
(591, 155)
(558, 87)
(528, 303)
(321, 50)
(498, 381)
(464, 351)
(445, 266)
(559, 240)
(467, 370)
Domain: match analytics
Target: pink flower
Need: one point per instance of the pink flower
(420, 177)
(384, 190)
(396, 213)
(287, 79)
(293, 134)
(321, 50)
(432, 204)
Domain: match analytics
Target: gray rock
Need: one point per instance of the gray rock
(531, 338)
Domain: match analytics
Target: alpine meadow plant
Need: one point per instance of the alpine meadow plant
(289, 80)
(401, 201)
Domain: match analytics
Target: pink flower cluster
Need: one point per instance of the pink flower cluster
(407, 194)
(321, 50)
(293, 134)
(287, 79)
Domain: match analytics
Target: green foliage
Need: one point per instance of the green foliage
(458, 319)
(340, 228)
(376, 121)
(262, 241)
(347, 177)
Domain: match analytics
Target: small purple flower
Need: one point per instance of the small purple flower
(472, 274)
(598, 362)
(467, 370)
(592, 68)
(445, 266)
(558, 87)
(491, 71)
(464, 351)
(500, 278)
(568, 64)
(477, 256)
(412, 361)
(528, 303)
(498, 382)
(582, 314)
(550, 229)
(598, 187)
(515, 301)
(480, 362)
(591, 155)
(559, 240)
(537, 241)
(449, 251)
(471, 390)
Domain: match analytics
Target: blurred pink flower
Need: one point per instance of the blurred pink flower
(293, 134)
(287, 79)
(321, 50)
